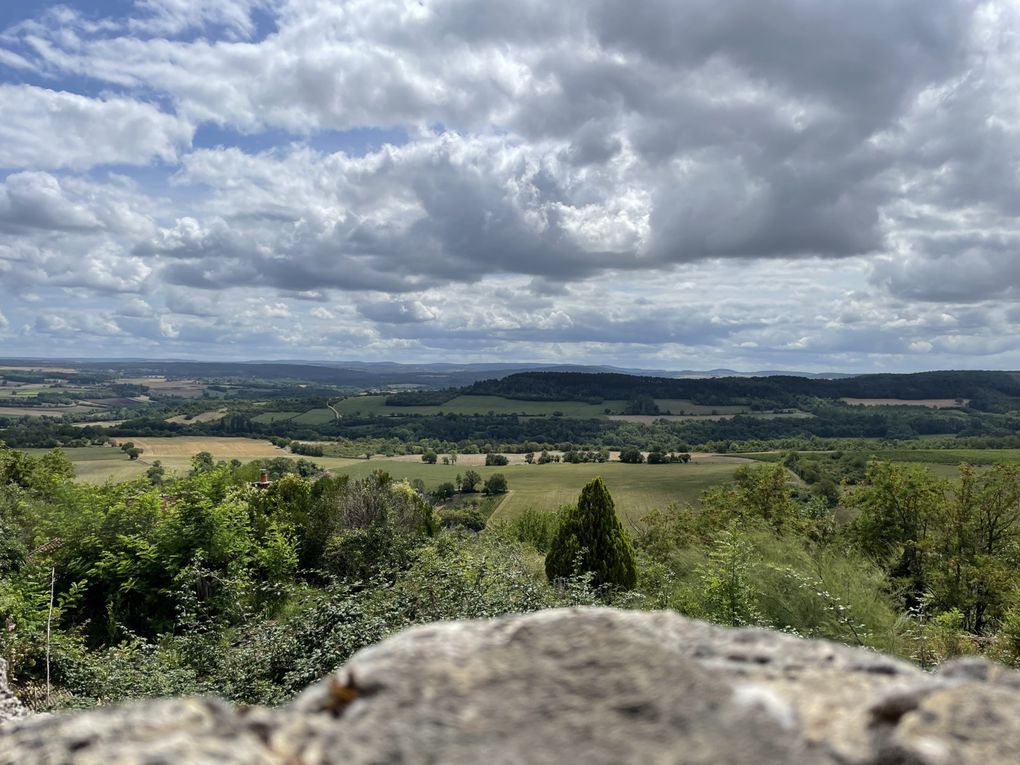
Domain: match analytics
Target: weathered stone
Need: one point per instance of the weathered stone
(189, 731)
(10, 707)
(587, 688)
(574, 686)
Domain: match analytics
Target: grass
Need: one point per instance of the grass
(931, 403)
(948, 456)
(97, 464)
(39, 411)
(637, 489)
(685, 406)
(275, 416)
(375, 406)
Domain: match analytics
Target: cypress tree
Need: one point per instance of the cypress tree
(590, 534)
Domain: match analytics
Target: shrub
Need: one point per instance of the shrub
(469, 518)
(632, 455)
(496, 484)
(497, 460)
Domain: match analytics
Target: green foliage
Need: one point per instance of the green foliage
(591, 539)
(207, 584)
(496, 484)
(760, 497)
(631, 455)
(896, 508)
(469, 518)
(728, 595)
(534, 528)
(469, 481)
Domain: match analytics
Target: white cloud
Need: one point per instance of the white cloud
(805, 183)
(55, 129)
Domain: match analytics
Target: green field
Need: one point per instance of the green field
(637, 489)
(97, 464)
(375, 406)
(680, 405)
(949, 456)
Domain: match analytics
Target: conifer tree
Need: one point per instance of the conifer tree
(591, 539)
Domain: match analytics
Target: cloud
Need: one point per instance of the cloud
(816, 182)
(55, 129)
(397, 312)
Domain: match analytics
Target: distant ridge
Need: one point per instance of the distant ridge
(375, 373)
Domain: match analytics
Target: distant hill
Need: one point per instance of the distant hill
(353, 374)
(991, 391)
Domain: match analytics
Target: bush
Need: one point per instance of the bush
(469, 518)
(534, 528)
(444, 490)
(496, 484)
(633, 456)
(497, 460)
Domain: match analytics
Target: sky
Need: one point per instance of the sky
(819, 185)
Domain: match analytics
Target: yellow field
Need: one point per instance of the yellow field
(176, 453)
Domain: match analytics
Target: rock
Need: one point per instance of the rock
(574, 686)
(193, 731)
(10, 707)
(549, 688)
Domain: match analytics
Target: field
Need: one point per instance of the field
(637, 489)
(96, 464)
(949, 456)
(375, 406)
(181, 419)
(45, 411)
(683, 406)
(931, 403)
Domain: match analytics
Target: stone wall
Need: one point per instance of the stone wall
(573, 686)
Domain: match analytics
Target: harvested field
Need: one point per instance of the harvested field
(220, 447)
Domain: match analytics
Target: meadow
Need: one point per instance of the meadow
(637, 489)
(375, 406)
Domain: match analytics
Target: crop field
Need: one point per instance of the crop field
(182, 419)
(176, 453)
(96, 464)
(45, 411)
(949, 456)
(683, 406)
(931, 403)
(375, 406)
(636, 489)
